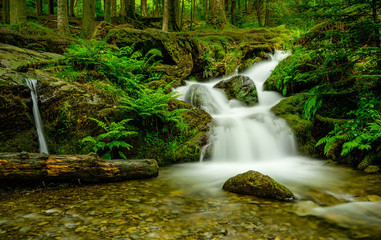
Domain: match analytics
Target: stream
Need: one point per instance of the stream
(186, 200)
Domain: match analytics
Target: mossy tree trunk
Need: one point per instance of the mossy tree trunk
(88, 19)
(113, 8)
(107, 10)
(218, 17)
(130, 8)
(71, 8)
(157, 10)
(6, 12)
(51, 7)
(39, 7)
(17, 11)
(170, 15)
(62, 17)
(33, 167)
(258, 5)
(232, 8)
(144, 8)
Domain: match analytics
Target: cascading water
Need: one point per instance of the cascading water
(32, 84)
(249, 138)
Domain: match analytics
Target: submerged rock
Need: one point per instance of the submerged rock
(256, 184)
(241, 88)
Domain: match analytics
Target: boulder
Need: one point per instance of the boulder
(241, 88)
(257, 184)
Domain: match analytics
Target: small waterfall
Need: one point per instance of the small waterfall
(32, 84)
(249, 138)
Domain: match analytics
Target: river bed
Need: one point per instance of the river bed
(164, 208)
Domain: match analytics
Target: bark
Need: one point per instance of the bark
(156, 12)
(144, 8)
(17, 11)
(170, 17)
(206, 9)
(122, 11)
(258, 5)
(166, 16)
(62, 17)
(218, 17)
(39, 7)
(182, 12)
(6, 12)
(375, 20)
(51, 7)
(232, 8)
(71, 8)
(130, 9)
(88, 19)
(107, 4)
(113, 8)
(21, 167)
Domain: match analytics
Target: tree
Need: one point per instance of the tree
(17, 11)
(88, 19)
(71, 8)
(107, 4)
(218, 17)
(130, 8)
(39, 7)
(51, 7)
(170, 15)
(144, 8)
(6, 12)
(113, 8)
(62, 17)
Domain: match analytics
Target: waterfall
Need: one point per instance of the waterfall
(32, 84)
(249, 138)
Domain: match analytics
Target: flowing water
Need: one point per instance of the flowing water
(186, 200)
(32, 84)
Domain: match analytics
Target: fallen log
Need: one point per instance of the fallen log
(31, 167)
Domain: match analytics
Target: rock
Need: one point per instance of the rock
(241, 88)
(291, 109)
(257, 184)
(372, 169)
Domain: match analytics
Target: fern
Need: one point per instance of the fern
(361, 133)
(113, 140)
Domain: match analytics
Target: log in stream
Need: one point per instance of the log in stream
(31, 167)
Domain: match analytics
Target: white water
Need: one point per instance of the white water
(249, 138)
(252, 138)
(32, 84)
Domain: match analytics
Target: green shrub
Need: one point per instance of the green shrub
(112, 143)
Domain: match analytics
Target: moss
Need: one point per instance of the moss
(372, 169)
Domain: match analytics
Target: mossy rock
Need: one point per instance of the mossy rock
(372, 169)
(291, 109)
(257, 184)
(241, 88)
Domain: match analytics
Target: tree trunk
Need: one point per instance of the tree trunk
(39, 7)
(170, 15)
(182, 13)
(166, 16)
(17, 11)
(122, 11)
(206, 9)
(51, 7)
(113, 8)
(88, 19)
(6, 12)
(144, 8)
(71, 8)
(194, 9)
(191, 14)
(218, 17)
(232, 8)
(62, 17)
(375, 20)
(130, 9)
(107, 4)
(157, 11)
(258, 5)
(35, 167)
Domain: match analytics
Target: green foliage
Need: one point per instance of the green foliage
(112, 143)
(361, 132)
(96, 60)
(152, 107)
(314, 101)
